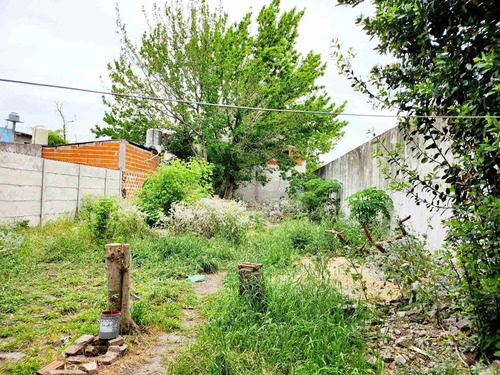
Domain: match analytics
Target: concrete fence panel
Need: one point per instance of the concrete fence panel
(38, 190)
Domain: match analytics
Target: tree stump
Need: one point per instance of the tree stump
(127, 324)
(251, 283)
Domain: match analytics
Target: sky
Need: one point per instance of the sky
(70, 43)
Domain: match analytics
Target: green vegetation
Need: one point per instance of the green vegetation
(370, 206)
(179, 181)
(446, 62)
(193, 53)
(56, 138)
(305, 328)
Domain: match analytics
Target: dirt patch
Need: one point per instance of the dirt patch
(343, 274)
(151, 354)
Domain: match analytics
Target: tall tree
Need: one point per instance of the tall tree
(197, 56)
(448, 63)
(64, 120)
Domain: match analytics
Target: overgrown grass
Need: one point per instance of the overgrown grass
(304, 327)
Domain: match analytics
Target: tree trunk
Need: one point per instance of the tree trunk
(127, 323)
(114, 259)
(228, 185)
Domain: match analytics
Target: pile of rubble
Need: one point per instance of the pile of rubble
(86, 355)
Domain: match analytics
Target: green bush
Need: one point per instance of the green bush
(112, 219)
(179, 181)
(314, 193)
(370, 205)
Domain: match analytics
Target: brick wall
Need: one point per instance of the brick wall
(139, 160)
(96, 154)
(132, 183)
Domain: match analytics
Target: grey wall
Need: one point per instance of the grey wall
(358, 170)
(20, 148)
(36, 189)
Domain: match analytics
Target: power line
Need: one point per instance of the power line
(234, 106)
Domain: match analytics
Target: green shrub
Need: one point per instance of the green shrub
(211, 216)
(314, 193)
(179, 181)
(370, 205)
(112, 219)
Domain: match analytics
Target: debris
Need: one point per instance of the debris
(90, 368)
(403, 341)
(495, 364)
(463, 324)
(56, 365)
(12, 356)
(66, 372)
(76, 359)
(196, 278)
(53, 275)
(400, 360)
(65, 339)
(419, 351)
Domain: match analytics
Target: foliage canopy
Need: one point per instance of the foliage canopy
(195, 55)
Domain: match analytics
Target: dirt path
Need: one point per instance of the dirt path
(151, 353)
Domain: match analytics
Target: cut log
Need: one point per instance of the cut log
(127, 324)
(114, 265)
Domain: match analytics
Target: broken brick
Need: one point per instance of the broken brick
(109, 358)
(118, 349)
(66, 372)
(55, 365)
(117, 341)
(76, 359)
(90, 368)
(74, 349)
(91, 351)
(85, 339)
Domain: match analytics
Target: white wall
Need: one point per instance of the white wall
(36, 189)
(358, 170)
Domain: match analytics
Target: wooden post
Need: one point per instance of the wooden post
(127, 324)
(114, 264)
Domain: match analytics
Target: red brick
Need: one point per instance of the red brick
(56, 365)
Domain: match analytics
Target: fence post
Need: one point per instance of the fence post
(105, 181)
(42, 193)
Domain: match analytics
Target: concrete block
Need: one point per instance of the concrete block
(19, 193)
(66, 372)
(59, 207)
(118, 349)
(116, 341)
(60, 194)
(85, 339)
(76, 359)
(92, 182)
(19, 208)
(109, 358)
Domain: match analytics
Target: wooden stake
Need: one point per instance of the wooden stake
(127, 324)
(114, 263)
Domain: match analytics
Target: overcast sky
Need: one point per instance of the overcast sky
(70, 43)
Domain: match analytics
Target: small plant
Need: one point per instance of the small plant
(179, 181)
(371, 205)
(112, 219)
(211, 216)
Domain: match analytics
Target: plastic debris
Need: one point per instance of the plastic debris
(196, 278)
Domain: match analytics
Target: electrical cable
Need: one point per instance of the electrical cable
(233, 106)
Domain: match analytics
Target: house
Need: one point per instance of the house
(21, 137)
(133, 160)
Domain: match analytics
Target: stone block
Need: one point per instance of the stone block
(56, 365)
(66, 372)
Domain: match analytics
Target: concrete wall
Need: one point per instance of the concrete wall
(358, 170)
(20, 148)
(274, 190)
(36, 189)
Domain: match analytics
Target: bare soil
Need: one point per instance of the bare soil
(150, 354)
